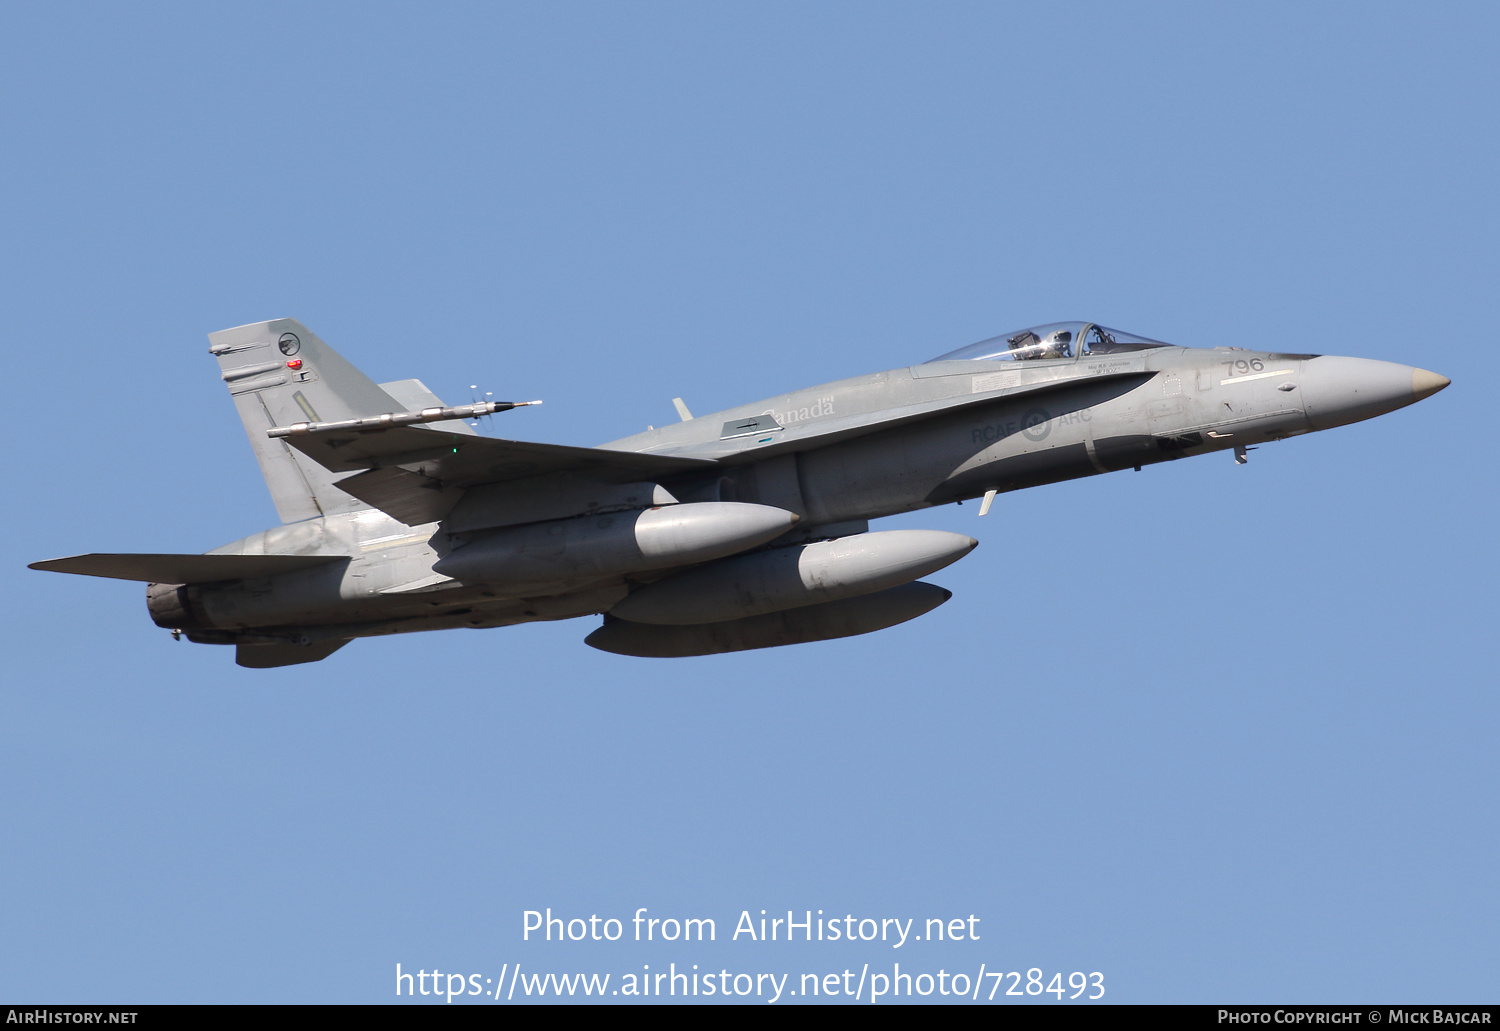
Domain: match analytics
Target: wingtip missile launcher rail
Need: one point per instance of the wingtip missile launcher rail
(380, 422)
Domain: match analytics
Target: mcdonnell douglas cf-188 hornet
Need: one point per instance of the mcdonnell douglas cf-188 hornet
(748, 528)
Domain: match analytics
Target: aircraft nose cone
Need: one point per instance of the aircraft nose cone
(1425, 384)
(1338, 391)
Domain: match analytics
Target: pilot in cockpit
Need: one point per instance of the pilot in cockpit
(1027, 346)
(1023, 344)
(1057, 345)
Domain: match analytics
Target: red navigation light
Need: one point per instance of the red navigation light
(295, 363)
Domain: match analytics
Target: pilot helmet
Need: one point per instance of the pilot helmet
(1056, 344)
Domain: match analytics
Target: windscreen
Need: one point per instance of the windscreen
(1052, 341)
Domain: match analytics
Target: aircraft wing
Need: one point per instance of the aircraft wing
(181, 569)
(417, 474)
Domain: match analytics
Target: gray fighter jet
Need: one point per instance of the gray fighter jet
(748, 528)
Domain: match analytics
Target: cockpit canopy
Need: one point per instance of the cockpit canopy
(1053, 340)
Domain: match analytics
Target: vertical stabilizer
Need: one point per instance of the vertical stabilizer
(279, 373)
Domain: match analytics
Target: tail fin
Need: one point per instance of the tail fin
(279, 373)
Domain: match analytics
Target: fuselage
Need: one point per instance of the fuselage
(835, 456)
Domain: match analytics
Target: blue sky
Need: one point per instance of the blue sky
(1222, 734)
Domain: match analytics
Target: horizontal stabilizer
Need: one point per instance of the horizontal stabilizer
(181, 569)
(269, 656)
